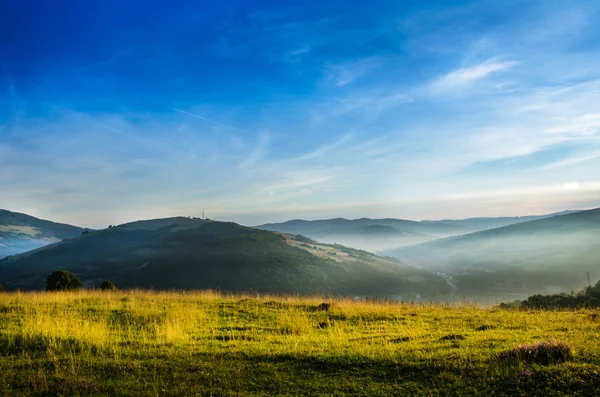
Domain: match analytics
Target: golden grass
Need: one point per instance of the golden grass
(79, 330)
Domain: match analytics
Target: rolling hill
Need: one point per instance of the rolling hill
(380, 235)
(189, 253)
(547, 255)
(20, 232)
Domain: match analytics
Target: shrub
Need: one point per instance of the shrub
(62, 280)
(108, 286)
(544, 353)
(1, 288)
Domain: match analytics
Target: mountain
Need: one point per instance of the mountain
(189, 253)
(380, 235)
(20, 232)
(547, 255)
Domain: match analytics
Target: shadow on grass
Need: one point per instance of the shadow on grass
(287, 374)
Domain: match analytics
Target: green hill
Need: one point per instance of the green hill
(20, 232)
(549, 255)
(184, 253)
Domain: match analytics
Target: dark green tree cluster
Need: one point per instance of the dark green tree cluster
(560, 301)
(62, 280)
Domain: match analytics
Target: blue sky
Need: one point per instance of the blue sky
(112, 111)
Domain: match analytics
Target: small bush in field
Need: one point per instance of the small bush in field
(544, 353)
(108, 286)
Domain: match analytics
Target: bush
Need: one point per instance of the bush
(1, 288)
(108, 286)
(544, 353)
(61, 280)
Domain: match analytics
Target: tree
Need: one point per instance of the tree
(108, 286)
(62, 280)
(1, 288)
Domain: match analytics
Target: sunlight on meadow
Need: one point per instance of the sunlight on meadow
(49, 342)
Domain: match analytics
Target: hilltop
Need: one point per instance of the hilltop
(20, 232)
(189, 253)
(548, 255)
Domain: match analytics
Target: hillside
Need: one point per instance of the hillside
(379, 235)
(543, 256)
(184, 253)
(20, 232)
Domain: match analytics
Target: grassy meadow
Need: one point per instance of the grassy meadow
(205, 343)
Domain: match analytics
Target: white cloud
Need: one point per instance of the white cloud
(464, 76)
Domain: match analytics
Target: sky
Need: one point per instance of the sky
(259, 111)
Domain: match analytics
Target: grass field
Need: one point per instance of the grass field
(203, 343)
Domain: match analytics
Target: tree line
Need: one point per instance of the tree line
(589, 297)
(62, 280)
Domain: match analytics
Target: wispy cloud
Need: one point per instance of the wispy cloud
(258, 153)
(344, 73)
(357, 111)
(467, 75)
(325, 149)
(205, 119)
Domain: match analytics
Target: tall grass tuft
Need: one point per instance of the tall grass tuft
(545, 353)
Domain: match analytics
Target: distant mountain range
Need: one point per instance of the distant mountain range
(495, 258)
(189, 253)
(379, 235)
(545, 255)
(20, 232)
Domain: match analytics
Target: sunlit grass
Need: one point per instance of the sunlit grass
(158, 343)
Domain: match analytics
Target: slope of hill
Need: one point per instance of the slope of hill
(379, 235)
(185, 253)
(20, 233)
(478, 224)
(549, 255)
